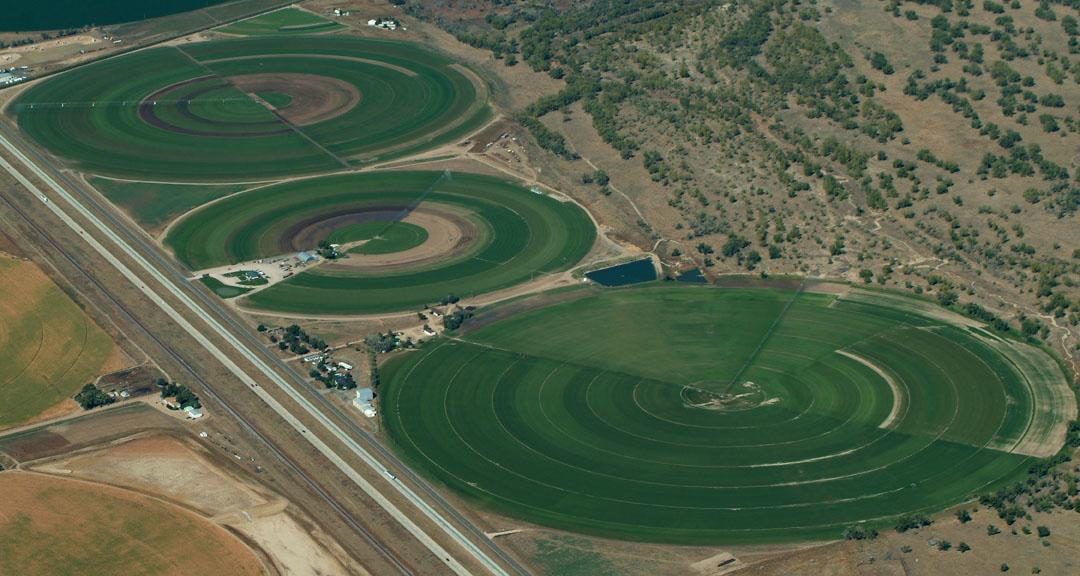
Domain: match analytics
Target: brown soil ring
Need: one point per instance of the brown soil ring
(148, 114)
(314, 98)
(304, 234)
(449, 234)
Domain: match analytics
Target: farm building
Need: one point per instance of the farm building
(363, 401)
(9, 78)
(385, 23)
(345, 365)
(193, 413)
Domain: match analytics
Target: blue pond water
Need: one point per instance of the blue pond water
(693, 276)
(623, 274)
(56, 14)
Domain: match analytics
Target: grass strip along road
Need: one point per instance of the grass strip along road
(608, 414)
(262, 367)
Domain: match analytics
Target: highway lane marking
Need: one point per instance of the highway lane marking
(323, 448)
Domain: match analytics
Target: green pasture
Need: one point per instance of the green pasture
(381, 237)
(153, 204)
(701, 415)
(248, 278)
(276, 99)
(521, 235)
(222, 289)
(286, 21)
(103, 118)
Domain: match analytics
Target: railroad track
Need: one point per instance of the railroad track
(210, 302)
(308, 481)
(177, 286)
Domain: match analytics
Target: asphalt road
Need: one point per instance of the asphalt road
(264, 368)
(119, 305)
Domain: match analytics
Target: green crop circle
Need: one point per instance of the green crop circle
(181, 112)
(519, 235)
(805, 419)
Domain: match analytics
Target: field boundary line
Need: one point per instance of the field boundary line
(764, 339)
(261, 367)
(276, 114)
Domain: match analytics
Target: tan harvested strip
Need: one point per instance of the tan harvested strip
(1053, 402)
(898, 397)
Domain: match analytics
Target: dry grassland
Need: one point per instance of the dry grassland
(52, 526)
(49, 347)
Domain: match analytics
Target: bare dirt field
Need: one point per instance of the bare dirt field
(51, 55)
(57, 526)
(185, 474)
(93, 428)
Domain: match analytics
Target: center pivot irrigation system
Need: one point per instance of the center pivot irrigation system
(679, 414)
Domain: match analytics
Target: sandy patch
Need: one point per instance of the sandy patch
(898, 397)
(168, 468)
(716, 565)
(294, 550)
(171, 469)
(50, 44)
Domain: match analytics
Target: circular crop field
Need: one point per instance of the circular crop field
(409, 238)
(708, 415)
(252, 108)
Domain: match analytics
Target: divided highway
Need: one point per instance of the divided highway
(263, 367)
